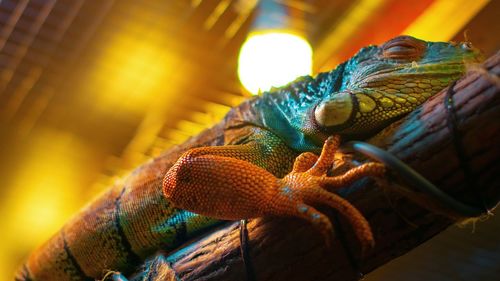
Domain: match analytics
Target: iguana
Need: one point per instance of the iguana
(245, 167)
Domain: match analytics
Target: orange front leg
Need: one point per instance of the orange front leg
(232, 189)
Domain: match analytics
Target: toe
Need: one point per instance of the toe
(304, 162)
(354, 174)
(318, 220)
(327, 156)
(358, 222)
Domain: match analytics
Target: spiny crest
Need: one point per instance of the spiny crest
(306, 89)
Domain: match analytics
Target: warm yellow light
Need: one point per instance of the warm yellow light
(47, 188)
(273, 59)
(130, 73)
(445, 16)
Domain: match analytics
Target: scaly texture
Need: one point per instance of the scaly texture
(361, 96)
(231, 189)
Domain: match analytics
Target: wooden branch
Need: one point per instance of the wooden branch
(290, 249)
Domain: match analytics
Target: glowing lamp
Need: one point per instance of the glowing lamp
(270, 59)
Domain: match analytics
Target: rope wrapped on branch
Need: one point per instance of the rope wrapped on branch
(452, 140)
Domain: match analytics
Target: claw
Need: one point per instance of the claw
(304, 162)
(327, 156)
(357, 220)
(306, 183)
(114, 276)
(354, 174)
(319, 220)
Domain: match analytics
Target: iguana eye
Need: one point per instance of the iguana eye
(398, 50)
(403, 47)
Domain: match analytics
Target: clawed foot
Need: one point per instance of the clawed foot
(307, 183)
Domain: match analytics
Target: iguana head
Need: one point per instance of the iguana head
(362, 95)
(382, 83)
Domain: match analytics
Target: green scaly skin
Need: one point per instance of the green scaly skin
(360, 97)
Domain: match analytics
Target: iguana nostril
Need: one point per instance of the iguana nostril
(334, 112)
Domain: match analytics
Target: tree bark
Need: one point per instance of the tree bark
(290, 249)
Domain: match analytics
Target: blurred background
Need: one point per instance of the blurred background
(91, 89)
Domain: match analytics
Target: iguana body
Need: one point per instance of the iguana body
(240, 160)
